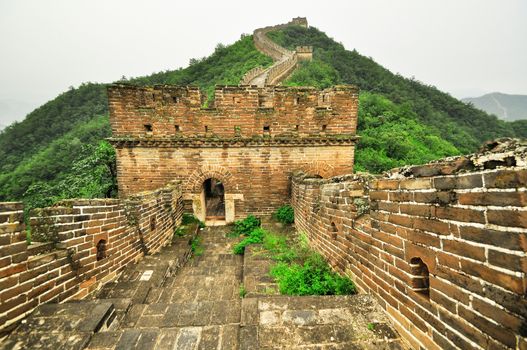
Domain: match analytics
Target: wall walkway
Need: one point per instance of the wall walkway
(285, 60)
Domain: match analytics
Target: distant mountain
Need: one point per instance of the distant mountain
(505, 106)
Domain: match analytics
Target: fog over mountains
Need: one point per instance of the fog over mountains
(505, 106)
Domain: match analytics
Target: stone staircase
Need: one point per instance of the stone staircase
(159, 304)
(285, 60)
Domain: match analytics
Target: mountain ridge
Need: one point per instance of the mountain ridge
(508, 107)
(401, 121)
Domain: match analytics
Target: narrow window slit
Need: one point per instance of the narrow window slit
(101, 249)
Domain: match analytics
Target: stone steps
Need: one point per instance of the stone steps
(200, 307)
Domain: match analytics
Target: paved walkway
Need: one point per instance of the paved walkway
(159, 304)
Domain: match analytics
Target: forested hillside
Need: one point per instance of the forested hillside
(461, 124)
(58, 150)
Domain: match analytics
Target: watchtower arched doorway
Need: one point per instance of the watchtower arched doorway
(214, 196)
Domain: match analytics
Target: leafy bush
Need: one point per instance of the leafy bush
(180, 231)
(285, 214)
(299, 270)
(313, 277)
(254, 237)
(196, 246)
(189, 219)
(245, 226)
(242, 291)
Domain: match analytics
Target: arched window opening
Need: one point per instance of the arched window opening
(420, 277)
(214, 199)
(334, 231)
(101, 249)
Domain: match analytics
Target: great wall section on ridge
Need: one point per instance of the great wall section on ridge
(437, 250)
(285, 60)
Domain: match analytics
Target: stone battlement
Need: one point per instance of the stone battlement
(237, 111)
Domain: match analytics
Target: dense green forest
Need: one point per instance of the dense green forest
(457, 122)
(58, 150)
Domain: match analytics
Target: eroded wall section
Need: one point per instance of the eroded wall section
(442, 246)
(85, 243)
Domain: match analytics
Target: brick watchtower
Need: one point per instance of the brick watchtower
(239, 153)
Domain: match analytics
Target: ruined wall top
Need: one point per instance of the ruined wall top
(167, 111)
(504, 152)
(301, 21)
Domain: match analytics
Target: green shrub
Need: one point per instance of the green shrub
(254, 237)
(285, 214)
(196, 246)
(313, 277)
(242, 291)
(189, 219)
(245, 226)
(180, 231)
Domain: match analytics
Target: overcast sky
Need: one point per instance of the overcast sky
(464, 47)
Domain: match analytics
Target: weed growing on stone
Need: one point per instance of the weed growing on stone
(180, 231)
(285, 214)
(245, 226)
(189, 219)
(254, 237)
(242, 291)
(371, 326)
(196, 246)
(313, 276)
(298, 270)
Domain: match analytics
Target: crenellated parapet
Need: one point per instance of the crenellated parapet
(176, 112)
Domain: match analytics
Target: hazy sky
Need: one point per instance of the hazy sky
(465, 47)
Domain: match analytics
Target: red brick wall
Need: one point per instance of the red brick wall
(228, 141)
(67, 267)
(469, 229)
(259, 174)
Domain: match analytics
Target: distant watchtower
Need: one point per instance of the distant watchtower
(304, 53)
(301, 21)
(242, 150)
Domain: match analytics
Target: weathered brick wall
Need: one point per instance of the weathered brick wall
(469, 229)
(251, 140)
(68, 266)
(304, 53)
(256, 175)
(176, 112)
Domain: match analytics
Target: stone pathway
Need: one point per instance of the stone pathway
(160, 304)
